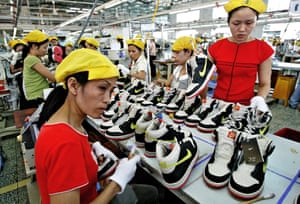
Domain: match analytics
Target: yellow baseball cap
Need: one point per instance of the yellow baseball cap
(138, 36)
(69, 44)
(98, 65)
(81, 39)
(36, 36)
(185, 42)
(119, 37)
(258, 5)
(92, 41)
(13, 43)
(136, 42)
(53, 38)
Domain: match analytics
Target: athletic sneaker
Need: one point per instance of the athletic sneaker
(220, 115)
(137, 88)
(258, 122)
(170, 94)
(219, 167)
(205, 109)
(179, 102)
(141, 125)
(202, 74)
(157, 130)
(127, 128)
(190, 106)
(247, 180)
(238, 119)
(176, 160)
(108, 114)
(106, 167)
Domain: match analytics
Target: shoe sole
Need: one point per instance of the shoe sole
(244, 196)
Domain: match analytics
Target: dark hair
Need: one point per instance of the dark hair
(192, 51)
(29, 45)
(58, 96)
(136, 47)
(234, 10)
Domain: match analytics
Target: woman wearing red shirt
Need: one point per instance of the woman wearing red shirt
(241, 59)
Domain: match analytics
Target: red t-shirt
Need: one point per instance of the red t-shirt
(237, 67)
(64, 162)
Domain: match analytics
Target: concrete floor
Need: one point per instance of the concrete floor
(16, 187)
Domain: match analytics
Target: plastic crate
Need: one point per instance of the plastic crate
(289, 134)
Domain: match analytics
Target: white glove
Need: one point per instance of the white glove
(125, 171)
(259, 103)
(101, 150)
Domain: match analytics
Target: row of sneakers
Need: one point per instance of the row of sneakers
(175, 150)
(239, 161)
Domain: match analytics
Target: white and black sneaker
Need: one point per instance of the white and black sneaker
(176, 160)
(190, 106)
(210, 123)
(179, 102)
(247, 180)
(201, 76)
(169, 96)
(258, 122)
(106, 167)
(208, 106)
(127, 128)
(219, 167)
(157, 130)
(141, 125)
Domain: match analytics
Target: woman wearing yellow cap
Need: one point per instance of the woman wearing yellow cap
(66, 167)
(240, 59)
(92, 43)
(183, 48)
(36, 76)
(138, 69)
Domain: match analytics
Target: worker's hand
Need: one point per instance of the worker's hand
(125, 171)
(259, 103)
(101, 150)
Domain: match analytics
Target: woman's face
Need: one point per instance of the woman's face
(41, 50)
(94, 97)
(134, 52)
(242, 23)
(180, 57)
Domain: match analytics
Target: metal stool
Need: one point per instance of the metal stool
(284, 87)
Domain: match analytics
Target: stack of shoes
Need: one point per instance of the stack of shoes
(157, 130)
(177, 104)
(176, 160)
(141, 125)
(190, 106)
(201, 76)
(127, 128)
(220, 115)
(247, 179)
(170, 94)
(219, 168)
(208, 106)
